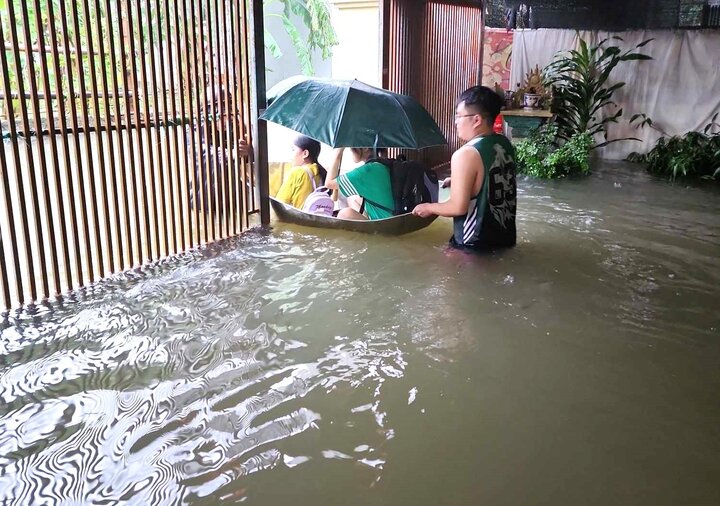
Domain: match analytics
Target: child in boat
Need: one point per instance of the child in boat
(368, 187)
(305, 175)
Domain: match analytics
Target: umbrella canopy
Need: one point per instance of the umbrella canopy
(354, 114)
(284, 85)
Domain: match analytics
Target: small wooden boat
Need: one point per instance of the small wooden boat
(395, 225)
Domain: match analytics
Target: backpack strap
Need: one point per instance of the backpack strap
(311, 176)
(392, 211)
(387, 162)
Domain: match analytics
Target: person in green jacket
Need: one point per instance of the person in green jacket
(483, 190)
(368, 187)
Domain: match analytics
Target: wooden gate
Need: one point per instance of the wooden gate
(121, 126)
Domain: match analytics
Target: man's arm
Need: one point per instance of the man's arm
(465, 167)
(331, 179)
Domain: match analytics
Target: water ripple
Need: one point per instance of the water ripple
(201, 378)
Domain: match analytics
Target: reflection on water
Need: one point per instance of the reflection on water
(323, 368)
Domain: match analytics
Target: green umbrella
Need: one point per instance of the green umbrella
(287, 83)
(354, 114)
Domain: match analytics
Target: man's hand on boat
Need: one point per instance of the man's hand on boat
(422, 210)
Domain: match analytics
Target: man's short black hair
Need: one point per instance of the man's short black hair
(482, 100)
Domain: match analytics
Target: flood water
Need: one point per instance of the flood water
(311, 368)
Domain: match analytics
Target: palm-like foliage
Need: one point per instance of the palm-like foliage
(315, 15)
(581, 81)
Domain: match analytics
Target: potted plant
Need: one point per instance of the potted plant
(532, 94)
(531, 98)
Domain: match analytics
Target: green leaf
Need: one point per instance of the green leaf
(272, 45)
(300, 9)
(580, 77)
(617, 140)
(315, 16)
(303, 53)
(610, 52)
(636, 56)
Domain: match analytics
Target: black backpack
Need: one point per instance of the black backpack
(407, 178)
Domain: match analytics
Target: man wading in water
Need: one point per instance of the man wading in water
(483, 192)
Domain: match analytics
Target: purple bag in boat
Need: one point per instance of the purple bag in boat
(319, 201)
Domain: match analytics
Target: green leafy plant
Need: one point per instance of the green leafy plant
(693, 155)
(544, 155)
(315, 16)
(580, 79)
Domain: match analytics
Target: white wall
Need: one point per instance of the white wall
(357, 56)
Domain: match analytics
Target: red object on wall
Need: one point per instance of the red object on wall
(498, 125)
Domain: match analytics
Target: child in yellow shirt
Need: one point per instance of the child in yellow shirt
(298, 185)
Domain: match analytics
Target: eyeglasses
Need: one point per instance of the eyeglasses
(458, 116)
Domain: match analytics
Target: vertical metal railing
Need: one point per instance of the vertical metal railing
(120, 122)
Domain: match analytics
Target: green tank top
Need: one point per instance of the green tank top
(490, 218)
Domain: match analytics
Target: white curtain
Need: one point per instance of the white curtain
(679, 89)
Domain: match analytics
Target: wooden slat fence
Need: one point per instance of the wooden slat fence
(432, 50)
(120, 124)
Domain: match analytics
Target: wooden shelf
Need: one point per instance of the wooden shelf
(529, 113)
(524, 121)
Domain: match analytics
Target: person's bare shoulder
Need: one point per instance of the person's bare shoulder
(466, 158)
